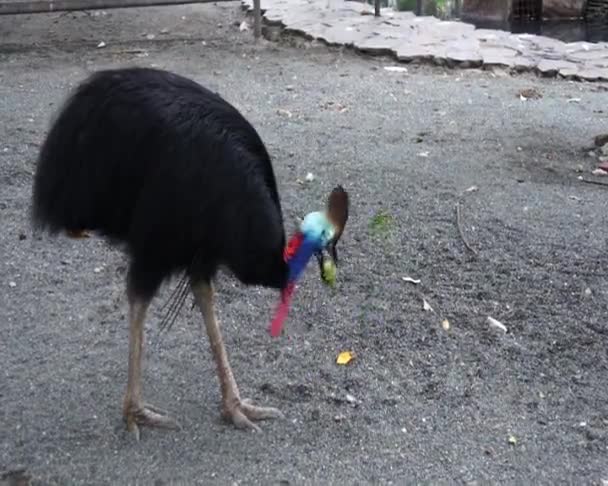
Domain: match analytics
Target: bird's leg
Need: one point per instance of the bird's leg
(135, 411)
(240, 412)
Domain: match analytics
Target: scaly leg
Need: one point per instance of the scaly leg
(136, 412)
(240, 412)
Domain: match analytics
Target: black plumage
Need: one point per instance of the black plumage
(156, 161)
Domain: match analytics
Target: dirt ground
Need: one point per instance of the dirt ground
(420, 403)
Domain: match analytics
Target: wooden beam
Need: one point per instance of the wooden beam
(12, 7)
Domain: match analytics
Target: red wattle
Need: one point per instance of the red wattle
(282, 310)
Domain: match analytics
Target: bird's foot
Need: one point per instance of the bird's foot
(242, 413)
(146, 415)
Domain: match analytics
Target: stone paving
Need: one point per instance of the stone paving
(414, 39)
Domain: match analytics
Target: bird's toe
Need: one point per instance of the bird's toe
(244, 413)
(148, 416)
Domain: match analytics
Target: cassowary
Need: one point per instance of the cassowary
(177, 177)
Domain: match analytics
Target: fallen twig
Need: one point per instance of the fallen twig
(597, 183)
(460, 230)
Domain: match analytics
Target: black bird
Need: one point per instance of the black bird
(177, 177)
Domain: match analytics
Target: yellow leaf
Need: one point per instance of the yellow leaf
(344, 357)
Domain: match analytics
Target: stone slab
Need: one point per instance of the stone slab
(410, 38)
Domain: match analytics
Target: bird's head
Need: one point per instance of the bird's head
(327, 227)
(319, 234)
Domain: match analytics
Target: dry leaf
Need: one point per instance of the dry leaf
(493, 322)
(345, 357)
(426, 306)
(445, 324)
(529, 93)
(339, 107)
(411, 280)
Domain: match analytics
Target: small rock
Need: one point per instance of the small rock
(604, 149)
(395, 69)
(282, 112)
(339, 418)
(150, 36)
(12, 284)
(310, 177)
(601, 140)
(101, 45)
(164, 31)
(587, 292)
(350, 398)
(22, 236)
(97, 269)
(289, 87)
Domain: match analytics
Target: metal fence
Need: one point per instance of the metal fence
(13, 7)
(527, 9)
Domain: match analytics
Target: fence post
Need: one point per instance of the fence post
(257, 19)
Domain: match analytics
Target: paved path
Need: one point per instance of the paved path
(410, 38)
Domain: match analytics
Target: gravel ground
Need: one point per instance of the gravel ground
(419, 403)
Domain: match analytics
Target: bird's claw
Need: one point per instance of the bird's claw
(242, 413)
(148, 416)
